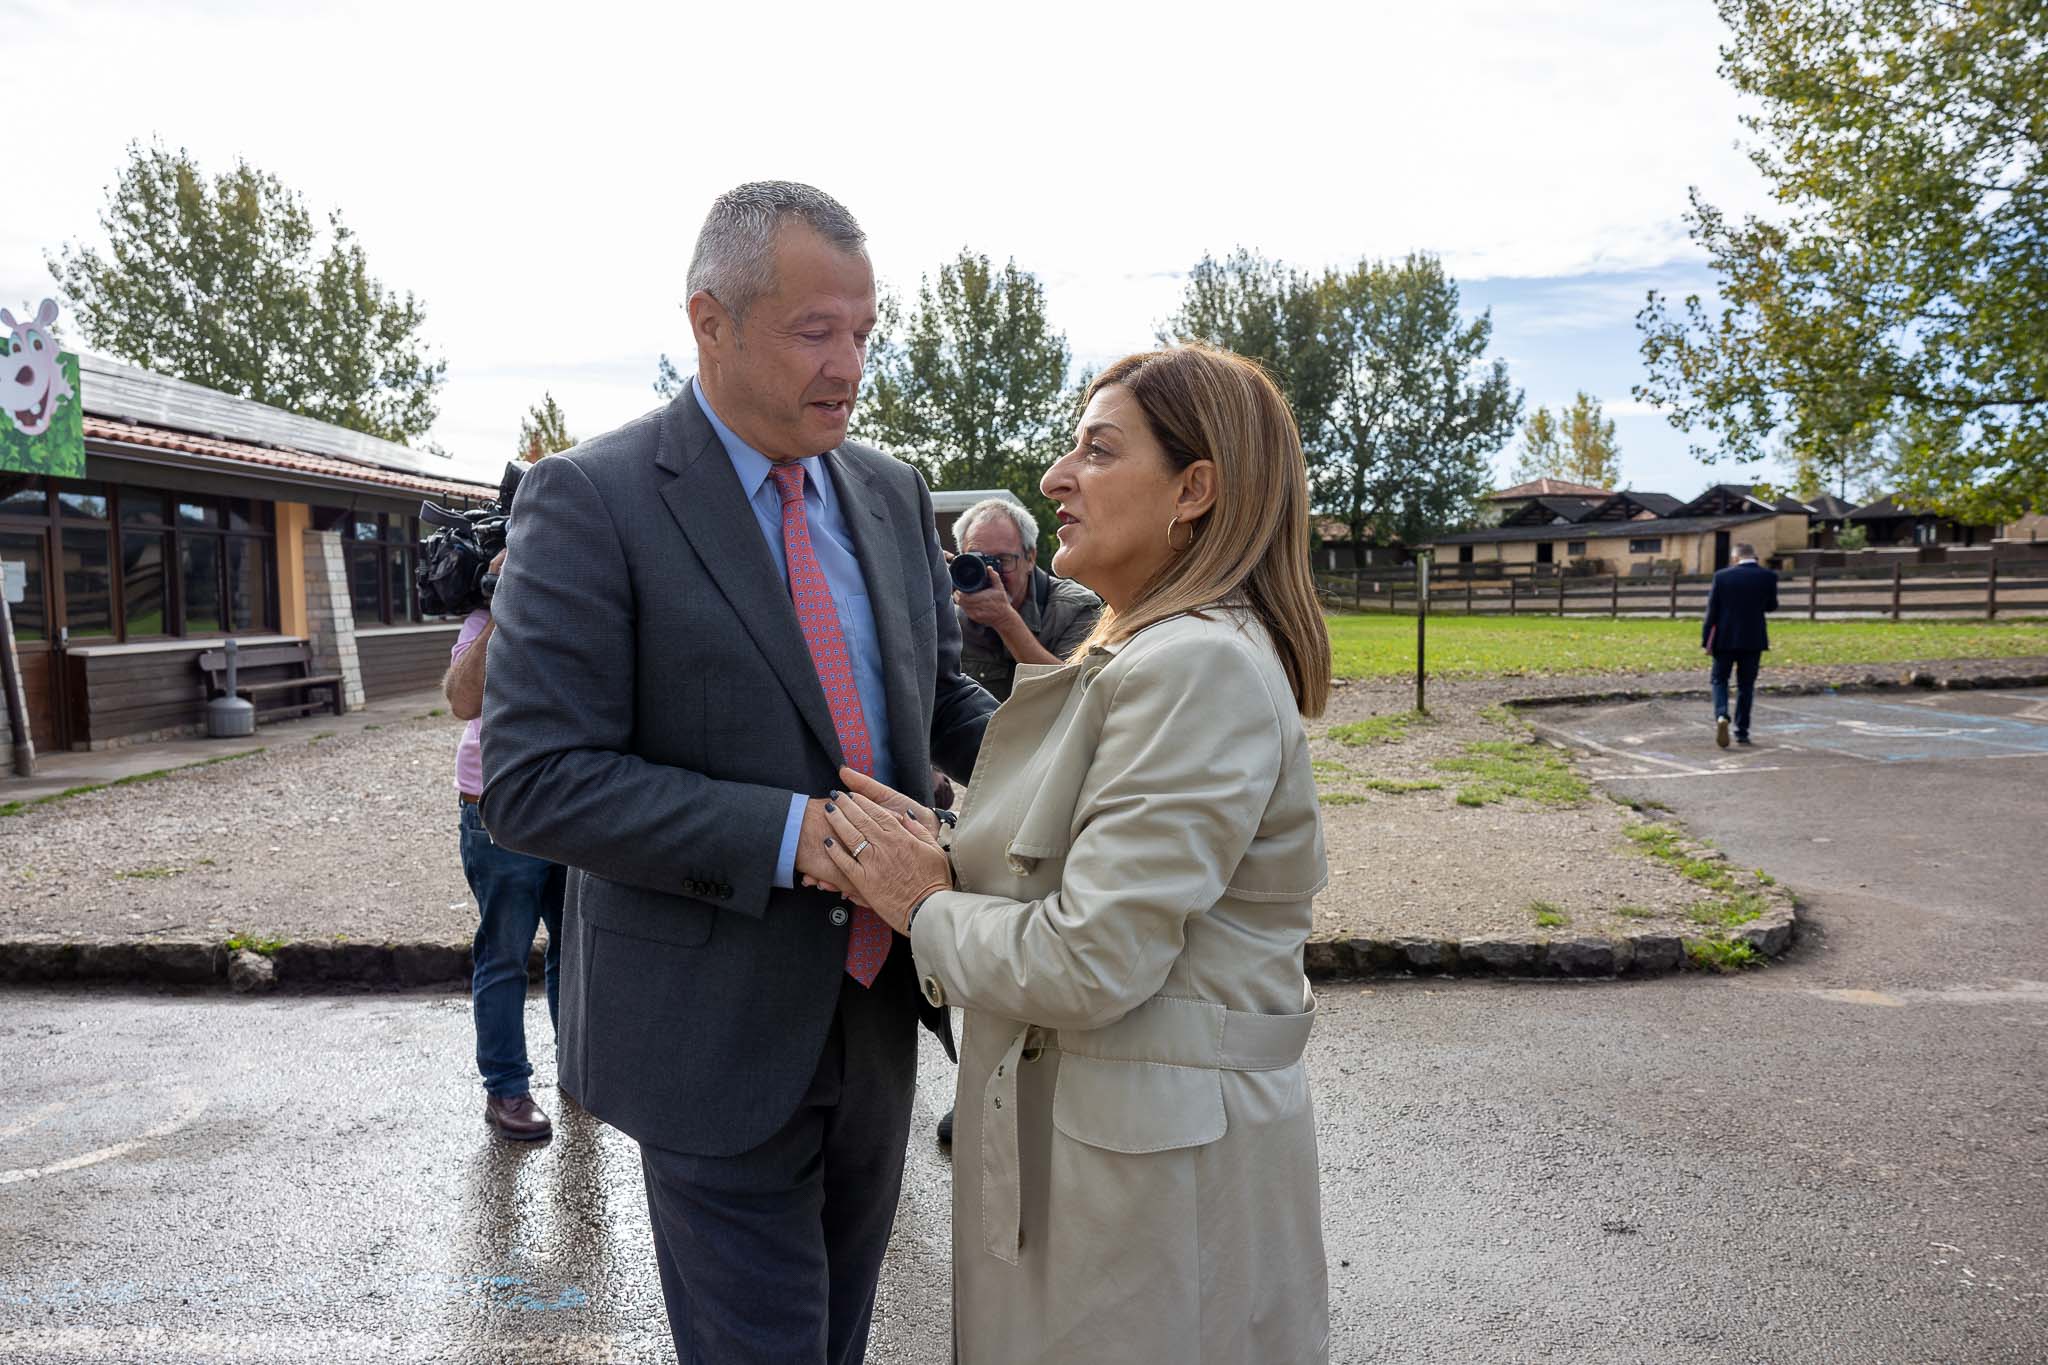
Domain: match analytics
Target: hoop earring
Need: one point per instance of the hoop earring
(1179, 549)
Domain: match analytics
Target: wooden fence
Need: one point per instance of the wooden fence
(1895, 592)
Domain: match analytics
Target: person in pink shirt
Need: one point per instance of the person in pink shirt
(515, 895)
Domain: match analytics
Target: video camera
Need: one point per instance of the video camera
(454, 569)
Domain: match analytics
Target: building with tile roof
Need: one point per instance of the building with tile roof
(203, 517)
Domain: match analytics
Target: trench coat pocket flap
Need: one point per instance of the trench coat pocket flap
(1137, 1107)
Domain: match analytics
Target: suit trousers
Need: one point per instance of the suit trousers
(770, 1257)
(1744, 664)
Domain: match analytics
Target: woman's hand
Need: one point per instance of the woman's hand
(882, 795)
(887, 861)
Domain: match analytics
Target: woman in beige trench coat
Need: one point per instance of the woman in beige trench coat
(1123, 916)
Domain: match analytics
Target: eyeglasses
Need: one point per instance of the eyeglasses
(1005, 563)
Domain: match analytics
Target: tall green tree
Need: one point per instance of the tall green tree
(1576, 444)
(1855, 466)
(544, 430)
(224, 282)
(1420, 411)
(1276, 315)
(1902, 282)
(971, 384)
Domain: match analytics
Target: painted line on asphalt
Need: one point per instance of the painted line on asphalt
(1629, 754)
(190, 1102)
(307, 1343)
(1746, 769)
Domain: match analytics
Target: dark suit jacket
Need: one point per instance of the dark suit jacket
(1736, 604)
(649, 707)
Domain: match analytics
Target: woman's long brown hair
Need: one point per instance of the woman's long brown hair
(1252, 545)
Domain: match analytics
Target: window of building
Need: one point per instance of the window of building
(1575, 548)
(379, 549)
(140, 563)
(1649, 546)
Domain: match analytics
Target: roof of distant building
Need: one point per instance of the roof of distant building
(1724, 499)
(1545, 511)
(129, 406)
(326, 469)
(1624, 505)
(1548, 488)
(1828, 507)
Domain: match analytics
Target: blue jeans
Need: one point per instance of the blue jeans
(1744, 663)
(515, 895)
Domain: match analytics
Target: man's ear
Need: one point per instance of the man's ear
(710, 323)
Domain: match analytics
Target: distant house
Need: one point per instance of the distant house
(1508, 501)
(1890, 524)
(1334, 553)
(1628, 532)
(1829, 517)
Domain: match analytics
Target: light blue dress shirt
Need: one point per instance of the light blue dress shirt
(833, 545)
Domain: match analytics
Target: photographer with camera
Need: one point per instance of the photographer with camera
(515, 894)
(1011, 611)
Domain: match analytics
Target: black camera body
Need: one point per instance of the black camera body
(972, 572)
(454, 567)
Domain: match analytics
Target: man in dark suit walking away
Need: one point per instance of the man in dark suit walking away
(1737, 635)
(708, 612)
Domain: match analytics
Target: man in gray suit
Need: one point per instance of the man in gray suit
(708, 611)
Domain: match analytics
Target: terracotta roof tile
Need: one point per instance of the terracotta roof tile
(276, 457)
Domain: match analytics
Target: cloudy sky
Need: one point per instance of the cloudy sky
(537, 174)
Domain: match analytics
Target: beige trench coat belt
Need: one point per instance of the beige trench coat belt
(1150, 1082)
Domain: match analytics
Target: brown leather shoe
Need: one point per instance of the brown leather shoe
(517, 1117)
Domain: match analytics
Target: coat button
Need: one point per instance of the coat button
(839, 916)
(724, 891)
(934, 993)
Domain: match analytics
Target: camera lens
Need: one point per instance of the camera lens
(970, 572)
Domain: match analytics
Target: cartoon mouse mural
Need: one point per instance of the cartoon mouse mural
(31, 380)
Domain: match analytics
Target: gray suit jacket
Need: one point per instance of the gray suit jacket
(649, 707)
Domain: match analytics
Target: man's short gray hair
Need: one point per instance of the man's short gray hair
(1744, 550)
(735, 257)
(1026, 524)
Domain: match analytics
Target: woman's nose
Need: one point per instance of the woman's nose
(1056, 479)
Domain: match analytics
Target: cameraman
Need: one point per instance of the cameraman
(1024, 614)
(515, 895)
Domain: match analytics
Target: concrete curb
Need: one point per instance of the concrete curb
(1585, 958)
(1905, 682)
(408, 966)
(315, 966)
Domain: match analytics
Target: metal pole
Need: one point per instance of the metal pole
(1813, 591)
(1991, 590)
(17, 702)
(1897, 573)
(1614, 596)
(1560, 593)
(1421, 627)
(1674, 594)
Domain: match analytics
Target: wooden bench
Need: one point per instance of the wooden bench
(214, 663)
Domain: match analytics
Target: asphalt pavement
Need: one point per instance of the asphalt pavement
(1840, 1158)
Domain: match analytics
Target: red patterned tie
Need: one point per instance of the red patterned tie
(868, 946)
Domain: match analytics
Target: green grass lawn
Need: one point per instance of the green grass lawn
(1384, 646)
